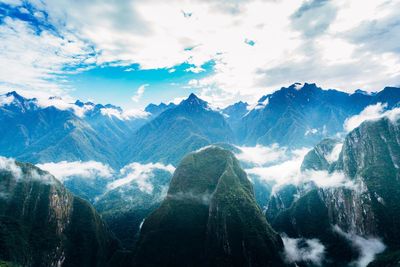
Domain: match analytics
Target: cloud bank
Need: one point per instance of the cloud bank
(256, 46)
(303, 250)
(140, 174)
(371, 113)
(139, 93)
(368, 247)
(65, 170)
(8, 164)
(281, 167)
(124, 114)
(261, 155)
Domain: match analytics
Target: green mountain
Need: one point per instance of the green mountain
(177, 131)
(42, 224)
(37, 134)
(369, 159)
(208, 218)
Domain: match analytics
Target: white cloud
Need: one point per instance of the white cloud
(68, 104)
(139, 93)
(178, 100)
(324, 179)
(140, 174)
(261, 155)
(372, 112)
(36, 61)
(303, 250)
(124, 115)
(293, 42)
(285, 172)
(368, 246)
(63, 104)
(6, 100)
(288, 171)
(196, 69)
(64, 170)
(334, 155)
(9, 165)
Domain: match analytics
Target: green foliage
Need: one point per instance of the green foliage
(308, 218)
(209, 218)
(42, 224)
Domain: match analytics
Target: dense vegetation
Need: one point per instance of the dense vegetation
(209, 218)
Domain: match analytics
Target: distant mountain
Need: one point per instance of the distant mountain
(109, 121)
(234, 114)
(301, 115)
(296, 116)
(177, 131)
(156, 110)
(36, 133)
(42, 224)
(209, 218)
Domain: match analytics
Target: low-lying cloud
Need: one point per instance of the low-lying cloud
(139, 173)
(372, 112)
(9, 165)
(260, 155)
(124, 115)
(289, 172)
(334, 155)
(6, 100)
(65, 170)
(368, 247)
(303, 250)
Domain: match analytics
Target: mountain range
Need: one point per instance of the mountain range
(295, 116)
(283, 182)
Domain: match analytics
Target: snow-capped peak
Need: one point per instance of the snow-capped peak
(298, 86)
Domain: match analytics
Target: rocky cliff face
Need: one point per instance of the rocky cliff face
(42, 224)
(371, 155)
(367, 206)
(209, 218)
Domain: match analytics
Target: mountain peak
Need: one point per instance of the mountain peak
(362, 92)
(17, 102)
(210, 198)
(194, 100)
(192, 96)
(15, 95)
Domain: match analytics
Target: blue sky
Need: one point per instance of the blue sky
(104, 84)
(131, 53)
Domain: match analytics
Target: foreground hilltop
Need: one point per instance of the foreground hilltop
(43, 224)
(209, 218)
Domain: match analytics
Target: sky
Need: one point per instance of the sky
(131, 53)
